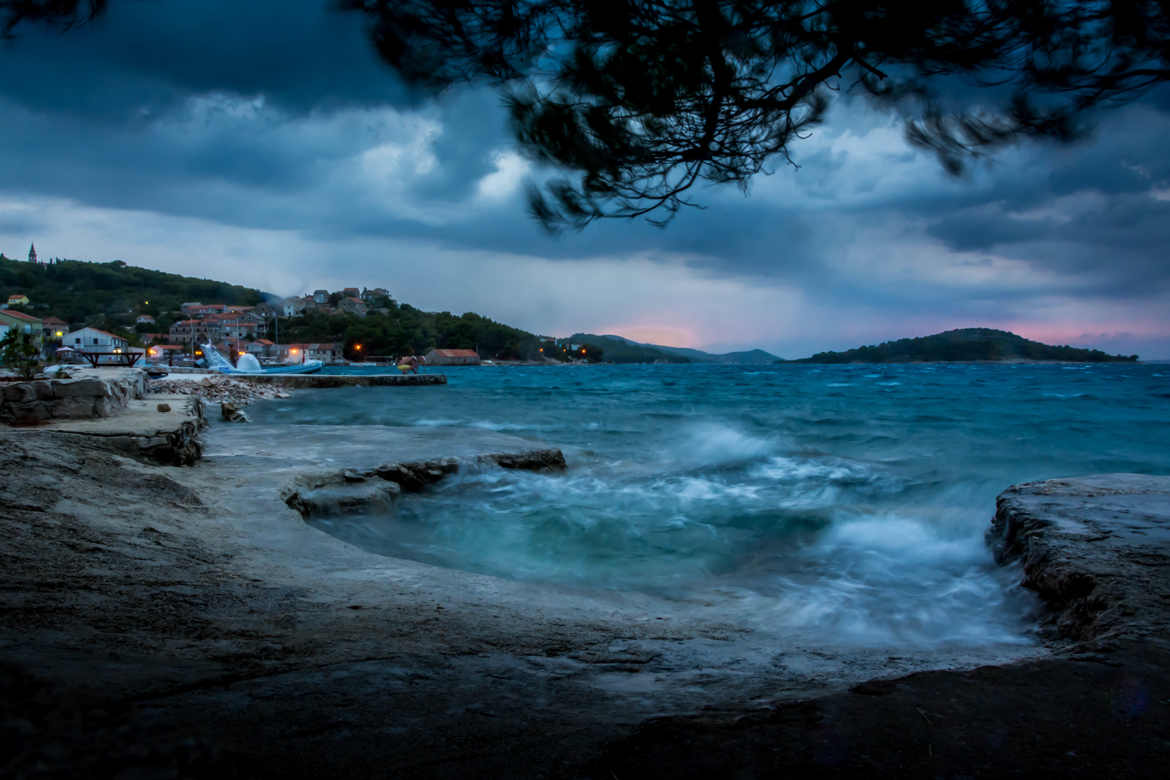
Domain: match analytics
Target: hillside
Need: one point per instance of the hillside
(621, 350)
(639, 352)
(111, 294)
(965, 344)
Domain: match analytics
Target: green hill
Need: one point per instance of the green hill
(620, 350)
(965, 344)
(111, 294)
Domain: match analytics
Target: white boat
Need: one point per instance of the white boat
(249, 365)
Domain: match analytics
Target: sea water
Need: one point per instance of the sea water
(843, 504)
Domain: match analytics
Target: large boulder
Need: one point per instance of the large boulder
(343, 498)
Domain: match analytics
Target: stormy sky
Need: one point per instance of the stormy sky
(262, 143)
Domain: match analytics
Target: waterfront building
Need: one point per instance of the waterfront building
(452, 357)
(94, 340)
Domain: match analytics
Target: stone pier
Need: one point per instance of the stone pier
(342, 380)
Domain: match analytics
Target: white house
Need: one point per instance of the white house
(293, 307)
(93, 340)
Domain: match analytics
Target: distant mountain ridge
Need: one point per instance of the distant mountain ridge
(964, 345)
(619, 349)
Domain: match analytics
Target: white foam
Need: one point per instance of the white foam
(714, 444)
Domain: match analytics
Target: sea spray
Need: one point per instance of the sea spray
(829, 506)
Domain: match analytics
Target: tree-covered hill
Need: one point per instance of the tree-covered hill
(403, 329)
(622, 350)
(111, 294)
(965, 344)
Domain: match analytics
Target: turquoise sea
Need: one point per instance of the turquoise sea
(845, 501)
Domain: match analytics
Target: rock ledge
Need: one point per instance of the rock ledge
(1096, 550)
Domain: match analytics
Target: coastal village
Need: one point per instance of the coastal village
(233, 330)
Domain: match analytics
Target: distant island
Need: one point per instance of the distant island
(963, 345)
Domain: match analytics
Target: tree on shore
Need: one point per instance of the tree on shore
(18, 351)
(637, 101)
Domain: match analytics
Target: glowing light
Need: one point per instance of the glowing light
(294, 351)
(357, 347)
(60, 334)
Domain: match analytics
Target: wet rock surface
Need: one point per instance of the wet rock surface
(189, 624)
(1096, 549)
(374, 490)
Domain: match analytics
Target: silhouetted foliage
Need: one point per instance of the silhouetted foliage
(639, 100)
(61, 13)
(636, 101)
(19, 352)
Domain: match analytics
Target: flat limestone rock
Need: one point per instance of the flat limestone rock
(1097, 551)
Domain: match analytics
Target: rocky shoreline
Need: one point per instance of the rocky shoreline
(218, 389)
(187, 623)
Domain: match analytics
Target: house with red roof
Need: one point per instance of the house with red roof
(10, 319)
(352, 305)
(452, 357)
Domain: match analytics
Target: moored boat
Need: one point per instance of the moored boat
(249, 365)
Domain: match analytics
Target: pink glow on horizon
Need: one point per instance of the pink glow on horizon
(663, 335)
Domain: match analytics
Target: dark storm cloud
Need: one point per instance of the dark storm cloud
(19, 222)
(277, 115)
(142, 58)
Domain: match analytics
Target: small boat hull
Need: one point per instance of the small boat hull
(218, 363)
